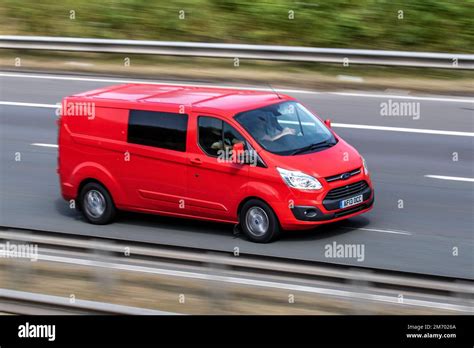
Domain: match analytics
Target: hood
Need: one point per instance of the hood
(331, 161)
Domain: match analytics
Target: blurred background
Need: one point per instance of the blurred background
(399, 160)
(418, 25)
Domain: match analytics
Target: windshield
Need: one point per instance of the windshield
(286, 128)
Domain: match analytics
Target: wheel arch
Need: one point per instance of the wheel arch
(249, 198)
(93, 172)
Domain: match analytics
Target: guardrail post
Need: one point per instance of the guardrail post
(218, 291)
(362, 285)
(105, 278)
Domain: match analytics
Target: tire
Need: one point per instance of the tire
(259, 222)
(96, 204)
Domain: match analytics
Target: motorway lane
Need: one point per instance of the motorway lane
(434, 114)
(437, 214)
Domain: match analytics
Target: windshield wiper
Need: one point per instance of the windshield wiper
(320, 145)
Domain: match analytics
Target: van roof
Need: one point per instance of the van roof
(199, 98)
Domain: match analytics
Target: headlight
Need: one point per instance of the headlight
(299, 180)
(364, 163)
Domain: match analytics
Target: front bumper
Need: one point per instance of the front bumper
(311, 213)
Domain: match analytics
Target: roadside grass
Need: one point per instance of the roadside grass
(416, 25)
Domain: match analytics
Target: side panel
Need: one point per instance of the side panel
(91, 146)
(153, 177)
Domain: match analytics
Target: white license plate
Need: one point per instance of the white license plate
(351, 201)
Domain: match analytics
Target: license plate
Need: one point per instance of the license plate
(351, 201)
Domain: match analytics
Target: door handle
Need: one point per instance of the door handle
(196, 161)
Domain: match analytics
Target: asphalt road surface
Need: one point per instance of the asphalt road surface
(422, 169)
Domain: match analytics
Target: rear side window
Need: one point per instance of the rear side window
(159, 129)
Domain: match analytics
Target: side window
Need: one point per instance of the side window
(232, 137)
(159, 129)
(210, 134)
(216, 135)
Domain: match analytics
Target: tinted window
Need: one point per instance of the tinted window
(210, 134)
(160, 129)
(231, 136)
(216, 135)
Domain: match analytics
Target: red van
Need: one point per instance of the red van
(255, 158)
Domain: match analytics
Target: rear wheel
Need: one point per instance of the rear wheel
(96, 204)
(259, 222)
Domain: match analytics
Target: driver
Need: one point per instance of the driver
(266, 128)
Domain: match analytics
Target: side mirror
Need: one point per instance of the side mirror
(327, 122)
(237, 153)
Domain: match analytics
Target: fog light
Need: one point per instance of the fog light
(310, 213)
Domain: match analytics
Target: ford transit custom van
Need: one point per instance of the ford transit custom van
(259, 159)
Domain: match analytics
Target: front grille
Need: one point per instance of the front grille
(338, 176)
(347, 191)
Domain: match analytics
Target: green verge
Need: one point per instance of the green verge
(416, 25)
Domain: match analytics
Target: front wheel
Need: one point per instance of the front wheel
(96, 204)
(259, 222)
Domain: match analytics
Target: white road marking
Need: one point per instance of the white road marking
(370, 95)
(44, 145)
(404, 130)
(283, 90)
(453, 178)
(33, 105)
(254, 282)
(378, 230)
